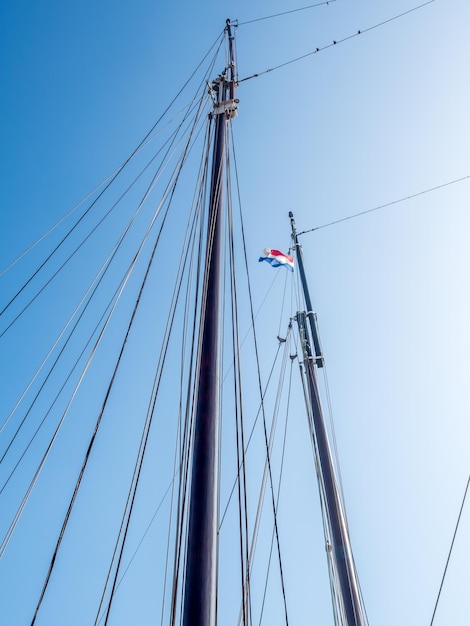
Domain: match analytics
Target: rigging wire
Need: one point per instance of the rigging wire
(251, 328)
(337, 461)
(338, 606)
(268, 443)
(220, 39)
(280, 481)
(122, 535)
(20, 509)
(271, 372)
(264, 479)
(204, 259)
(450, 552)
(25, 499)
(283, 302)
(103, 269)
(185, 445)
(89, 292)
(383, 206)
(331, 417)
(240, 444)
(189, 327)
(337, 42)
(144, 535)
(263, 413)
(239, 419)
(337, 610)
(336, 603)
(159, 172)
(171, 184)
(268, 17)
(258, 311)
(78, 320)
(196, 265)
(85, 198)
(117, 290)
(127, 514)
(99, 277)
(89, 449)
(113, 299)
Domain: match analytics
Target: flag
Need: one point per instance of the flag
(277, 259)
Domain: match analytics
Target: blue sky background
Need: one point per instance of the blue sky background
(375, 119)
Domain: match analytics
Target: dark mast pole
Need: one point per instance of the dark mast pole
(200, 587)
(352, 608)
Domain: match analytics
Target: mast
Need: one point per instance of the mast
(347, 600)
(200, 590)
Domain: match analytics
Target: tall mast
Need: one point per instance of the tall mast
(200, 590)
(349, 605)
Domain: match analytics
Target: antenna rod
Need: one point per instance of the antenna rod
(200, 587)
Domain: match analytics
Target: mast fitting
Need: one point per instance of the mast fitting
(229, 107)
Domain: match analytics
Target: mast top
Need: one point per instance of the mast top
(292, 223)
(227, 102)
(318, 356)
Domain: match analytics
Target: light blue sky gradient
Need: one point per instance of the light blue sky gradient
(377, 118)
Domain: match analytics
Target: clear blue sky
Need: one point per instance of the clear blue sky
(366, 122)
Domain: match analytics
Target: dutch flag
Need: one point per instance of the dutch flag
(277, 258)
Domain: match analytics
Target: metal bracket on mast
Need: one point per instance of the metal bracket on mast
(229, 106)
(319, 358)
(301, 319)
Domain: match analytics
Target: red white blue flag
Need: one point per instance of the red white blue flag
(277, 258)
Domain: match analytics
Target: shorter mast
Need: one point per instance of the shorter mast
(345, 582)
